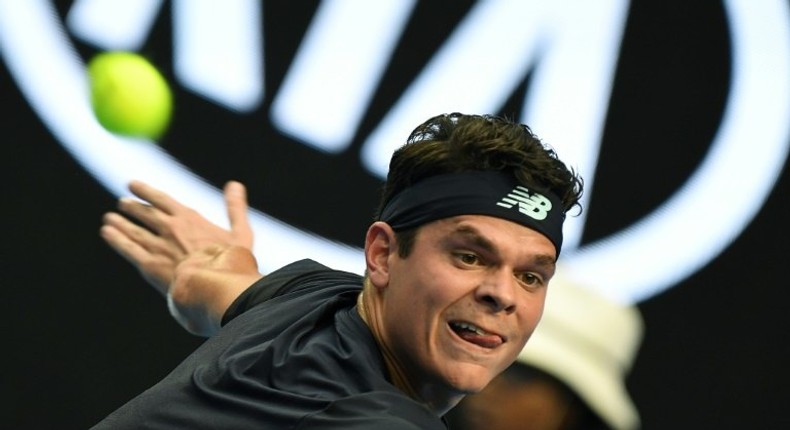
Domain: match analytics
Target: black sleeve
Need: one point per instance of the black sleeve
(377, 410)
(271, 285)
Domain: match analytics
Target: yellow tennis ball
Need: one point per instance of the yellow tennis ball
(129, 96)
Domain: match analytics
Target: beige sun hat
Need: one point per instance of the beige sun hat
(588, 342)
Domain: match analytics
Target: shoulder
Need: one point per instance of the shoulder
(302, 277)
(379, 410)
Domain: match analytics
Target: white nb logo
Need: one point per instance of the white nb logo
(534, 205)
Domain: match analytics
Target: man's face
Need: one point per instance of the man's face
(460, 307)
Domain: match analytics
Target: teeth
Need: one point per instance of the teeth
(470, 327)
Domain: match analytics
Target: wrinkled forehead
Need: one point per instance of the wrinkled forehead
(499, 237)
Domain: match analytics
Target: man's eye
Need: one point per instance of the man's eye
(470, 259)
(529, 278)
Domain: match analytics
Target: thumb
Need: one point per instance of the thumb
(236, 204)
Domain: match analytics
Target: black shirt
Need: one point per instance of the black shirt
(293, 353)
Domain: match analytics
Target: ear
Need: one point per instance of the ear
(380, 244)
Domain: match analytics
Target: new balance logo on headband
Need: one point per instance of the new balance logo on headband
(533, 205)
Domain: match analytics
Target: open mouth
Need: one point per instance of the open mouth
(474, 334)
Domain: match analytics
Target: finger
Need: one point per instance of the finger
(120, 242)
(236, 203)
(155, 197)
(150, 216)
(156, 274)
(138, 235)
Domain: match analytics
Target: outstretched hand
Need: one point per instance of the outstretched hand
(200, 267)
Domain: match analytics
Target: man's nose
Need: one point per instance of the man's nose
(498, 291)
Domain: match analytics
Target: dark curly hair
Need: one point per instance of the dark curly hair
(455, 142)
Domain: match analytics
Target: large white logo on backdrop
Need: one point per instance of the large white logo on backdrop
(342, 59)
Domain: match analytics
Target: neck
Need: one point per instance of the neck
(438, 400)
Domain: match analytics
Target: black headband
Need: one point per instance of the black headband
(491, 193)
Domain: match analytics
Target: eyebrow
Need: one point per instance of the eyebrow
(473, 234)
